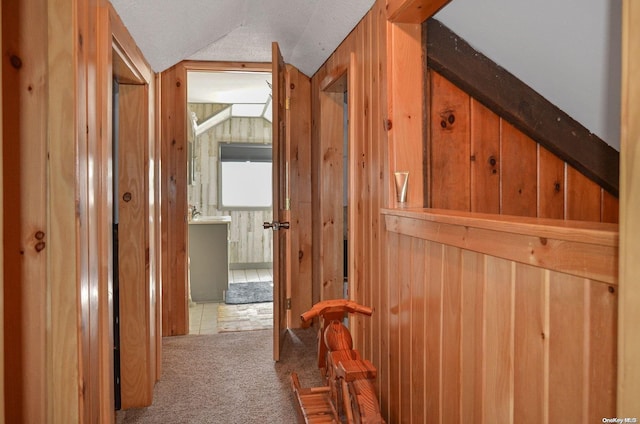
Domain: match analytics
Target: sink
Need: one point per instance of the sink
(211, 220)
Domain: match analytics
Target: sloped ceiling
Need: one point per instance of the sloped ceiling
(308, 31)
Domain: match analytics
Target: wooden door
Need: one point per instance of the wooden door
(137, 370)
(281, 213)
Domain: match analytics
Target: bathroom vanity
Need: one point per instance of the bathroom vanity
(208, 258)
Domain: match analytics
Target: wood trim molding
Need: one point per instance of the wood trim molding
(412, 11)
(527, 110)
(628, 381)
(557, 245)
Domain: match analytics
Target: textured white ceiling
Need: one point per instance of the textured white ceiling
(308, 31)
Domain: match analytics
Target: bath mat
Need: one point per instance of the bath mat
(252, 292)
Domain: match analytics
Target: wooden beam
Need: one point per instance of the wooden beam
(628, 313)
(412, 11)
(519, 104)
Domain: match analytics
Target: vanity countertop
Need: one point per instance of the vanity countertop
(211, 220)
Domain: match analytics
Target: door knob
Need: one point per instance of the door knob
(275, 225)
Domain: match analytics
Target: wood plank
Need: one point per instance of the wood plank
(567, 354)
(174, 207)
(434, 318)
(583, 197)
(519, 172)
(331, 180)
(404, 346)
(406, 107)
(499, 342)
(530, 337)
(472, 346)
(485, 159)
(503, 93)
(602, 338)
(610, 207)
(451, 332)
(628, 382)
(551, 185)
(449, 149)
(25, 88)
(417, 359)
(393, 296)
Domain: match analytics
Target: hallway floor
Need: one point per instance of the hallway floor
(212, 318)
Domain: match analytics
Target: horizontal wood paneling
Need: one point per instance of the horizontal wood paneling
(504, 341)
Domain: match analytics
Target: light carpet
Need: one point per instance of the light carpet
(229, 378)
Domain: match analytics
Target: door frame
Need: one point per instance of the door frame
(174, 119)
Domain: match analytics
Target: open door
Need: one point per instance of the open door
(280, 224)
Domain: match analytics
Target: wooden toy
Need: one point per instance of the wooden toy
(349, 394)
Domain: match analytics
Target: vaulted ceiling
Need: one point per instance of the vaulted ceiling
(308, 31)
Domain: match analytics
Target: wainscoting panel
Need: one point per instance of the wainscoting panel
(477, 336)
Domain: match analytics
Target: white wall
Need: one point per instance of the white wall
(566, 50)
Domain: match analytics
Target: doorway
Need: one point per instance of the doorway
(228, 165)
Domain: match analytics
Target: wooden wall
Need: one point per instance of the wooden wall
(480, 162)
(384, 109)
(59, 344)
(498, 319)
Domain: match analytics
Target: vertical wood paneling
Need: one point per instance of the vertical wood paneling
(433, 354)
(25, 91)
(299, 133)
(331, 260)
(610, 208)
(551, 185)
(567, 349)
(602, 359)
(405, 70)
(403, 346)
(530, 338)
(583, 197)
(174, 207)
(519, 170)
(501, 341)
(526, 179)
(451, 333)
(382, 362)
(485, 159)
(370, 168)
(498, 333)
(395, 322)
(472, 343)
(449, 148)
(418, 335)
(363, 57)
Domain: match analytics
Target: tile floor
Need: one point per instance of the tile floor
(203, 317)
